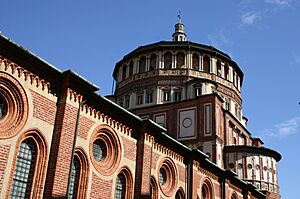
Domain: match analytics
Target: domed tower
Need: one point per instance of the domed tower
(194, 91)
(179, 34)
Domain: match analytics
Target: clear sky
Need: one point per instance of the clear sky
(262, 36)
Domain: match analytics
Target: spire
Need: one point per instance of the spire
(179, 34)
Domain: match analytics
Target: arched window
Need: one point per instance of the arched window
(180, 60)
(219, 68)
(74, 179)
(195, 61)
(24, 170)
(124, 186)
(142, 64)
(124, 71)
(130, 68)
(153, 59)
(79, 175)
(206, 64)
(207, 190)
(179, 194)
(226, 71)
(3, 107)
(234, 196)
(153, 188)
(120, 187)
(167, 60)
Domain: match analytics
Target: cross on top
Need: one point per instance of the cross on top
(179, 16)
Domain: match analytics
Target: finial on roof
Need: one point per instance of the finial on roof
(179, 16)
(179, 34)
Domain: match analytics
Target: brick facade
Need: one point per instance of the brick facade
(134, 151)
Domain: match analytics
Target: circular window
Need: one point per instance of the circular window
(257, 167)
(231, 165)
(13, 106)
(162, 176)
(249, 166)
(3, 107)
(99, 150)
(168, 177)
(240, 166)
(105, 148)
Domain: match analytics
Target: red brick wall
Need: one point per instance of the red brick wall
(155, 157)
(43, 108)
(61, 150)
(181, 172)
(129, 149)
(146, 170)
(84, 126)
(100, 188)
(4, 150)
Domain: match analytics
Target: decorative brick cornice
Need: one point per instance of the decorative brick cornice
(203, 171)
(12, 68)
(166, 151)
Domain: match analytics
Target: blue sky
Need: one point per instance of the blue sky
(262, 36)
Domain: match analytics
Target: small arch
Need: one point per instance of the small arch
(124, 72)
(153, 60)
(207, 190)
(234, 196)
(142, 64)
(195, 61)
(130, 68)
(124, 184)
(206, 64)
(168, 60)
(153, 188)
(31, 142)
(180, 60)
(226, 71)
(180, 194)
(219, 68)
(79, 175)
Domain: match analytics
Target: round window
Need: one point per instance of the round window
(240, 166)
(249, 166)
(99, 150)
(162, 176)
(3, 107)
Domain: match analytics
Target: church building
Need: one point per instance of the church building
(174, 128)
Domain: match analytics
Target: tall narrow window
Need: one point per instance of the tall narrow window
(153, 59)
(142, 64)
(149, 97)
(130, 68)
(74, 179)
(197, 91)
(195, 61)
(177, 96)
(226, 70)
(207, 109)
(167, 60)
(140, 99)
(120, 192)
(180, 59)
(219, 68)
(127, 101)
(206, 64)
(166, 96)
(124, 71)
(23, 175)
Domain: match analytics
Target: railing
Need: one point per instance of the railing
(264, 186)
